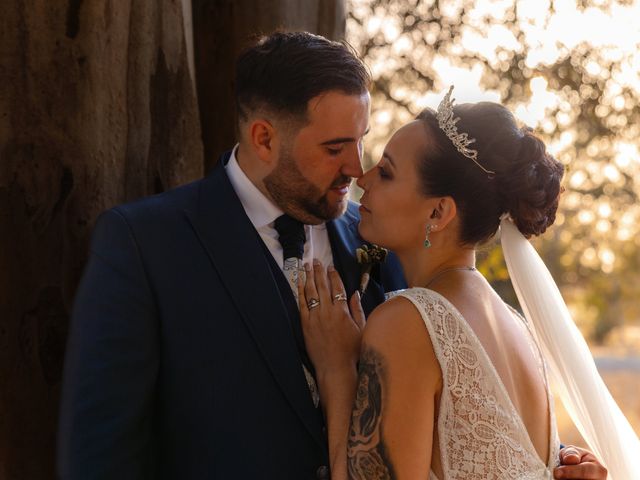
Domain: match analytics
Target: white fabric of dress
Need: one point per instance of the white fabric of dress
(481, 435)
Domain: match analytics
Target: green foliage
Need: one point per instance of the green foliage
(581, 93)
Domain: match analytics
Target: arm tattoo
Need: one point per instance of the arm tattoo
(368, 458)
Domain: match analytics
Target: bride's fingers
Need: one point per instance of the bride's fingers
(312, 299)
(338, 294)
(321, 283)
(356, 310)
(302, 299)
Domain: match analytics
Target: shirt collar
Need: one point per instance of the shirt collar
(260, 209)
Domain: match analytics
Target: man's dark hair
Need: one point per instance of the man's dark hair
(284, 70)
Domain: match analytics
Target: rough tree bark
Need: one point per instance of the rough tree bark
(221, 29)
(97, 107)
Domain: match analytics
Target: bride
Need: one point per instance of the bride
(450, 379)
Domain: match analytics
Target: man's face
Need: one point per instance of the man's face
(318, 162)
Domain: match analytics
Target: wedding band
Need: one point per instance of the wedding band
(313, 303)
(340, 297)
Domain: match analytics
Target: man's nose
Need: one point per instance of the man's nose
(353, 164)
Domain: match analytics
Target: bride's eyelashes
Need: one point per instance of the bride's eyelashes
(383, 173)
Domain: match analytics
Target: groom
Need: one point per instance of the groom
(185, 357)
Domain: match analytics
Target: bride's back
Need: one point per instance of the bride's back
(509, 345)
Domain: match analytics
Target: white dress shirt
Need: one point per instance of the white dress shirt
(263, 212)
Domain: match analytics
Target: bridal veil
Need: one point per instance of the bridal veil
(571, 367)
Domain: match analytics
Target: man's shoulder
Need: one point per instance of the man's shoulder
(190, 196)
(163, 205)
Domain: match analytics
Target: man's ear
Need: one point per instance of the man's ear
(262, 138)
(444, 212)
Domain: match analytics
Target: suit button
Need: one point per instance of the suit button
(322, 473)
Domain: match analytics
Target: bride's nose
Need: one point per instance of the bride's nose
(363, 181)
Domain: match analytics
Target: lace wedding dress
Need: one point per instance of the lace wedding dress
(481, 435)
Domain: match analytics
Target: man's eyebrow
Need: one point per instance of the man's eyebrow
(335, 141)
(388, 157)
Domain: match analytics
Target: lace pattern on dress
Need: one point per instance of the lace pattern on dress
(481, 434)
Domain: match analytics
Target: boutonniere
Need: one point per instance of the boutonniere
(368, 256)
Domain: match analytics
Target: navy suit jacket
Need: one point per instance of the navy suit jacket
(180, 362)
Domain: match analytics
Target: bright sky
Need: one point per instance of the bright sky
(615, 32)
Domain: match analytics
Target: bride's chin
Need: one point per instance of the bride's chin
(361, 229)
(365, 233)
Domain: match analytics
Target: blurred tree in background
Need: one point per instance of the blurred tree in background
(569, 69)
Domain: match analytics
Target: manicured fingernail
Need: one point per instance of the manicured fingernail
(316, 262)
(331, 268)
(307, 267)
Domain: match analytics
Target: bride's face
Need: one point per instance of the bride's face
(394, 213)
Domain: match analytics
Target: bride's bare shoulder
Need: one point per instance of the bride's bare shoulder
(397, 313)
(397, 329)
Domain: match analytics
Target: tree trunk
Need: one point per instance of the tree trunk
(222, 29)
(97, 107)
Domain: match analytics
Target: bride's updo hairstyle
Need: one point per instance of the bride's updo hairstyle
(525, 185)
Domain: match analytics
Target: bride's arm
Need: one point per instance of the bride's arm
(336, 397)
(332, 333)
(387, 432)
(399, 378)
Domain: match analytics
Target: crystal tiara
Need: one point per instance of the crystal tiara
(447, 124)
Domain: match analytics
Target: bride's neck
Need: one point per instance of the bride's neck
(421, 264)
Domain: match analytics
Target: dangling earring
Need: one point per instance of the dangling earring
(427, 242)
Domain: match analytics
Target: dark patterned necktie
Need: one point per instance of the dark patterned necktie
(292, 237)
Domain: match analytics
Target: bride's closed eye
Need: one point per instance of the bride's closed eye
(383, 173)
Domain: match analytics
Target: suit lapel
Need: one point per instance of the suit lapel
(339, 231)
(234, 248)
(344, 239)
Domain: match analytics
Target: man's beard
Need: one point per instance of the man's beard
(298, 197)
